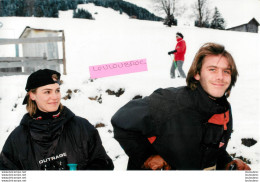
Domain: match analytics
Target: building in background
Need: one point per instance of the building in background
(251, 26)
(47, 50)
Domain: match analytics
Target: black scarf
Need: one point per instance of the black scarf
(45, 129)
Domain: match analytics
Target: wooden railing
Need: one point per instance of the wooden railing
(34, 62)
(14, 62)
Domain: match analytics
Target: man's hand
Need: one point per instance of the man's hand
(240, 165)
(156, 162)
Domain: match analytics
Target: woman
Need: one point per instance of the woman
(50, 136)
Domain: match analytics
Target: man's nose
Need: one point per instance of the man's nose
(220, 74)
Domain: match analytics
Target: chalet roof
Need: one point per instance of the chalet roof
(241, 22)
(28, 30)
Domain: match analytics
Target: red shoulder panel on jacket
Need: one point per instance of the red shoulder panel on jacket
(220, 119)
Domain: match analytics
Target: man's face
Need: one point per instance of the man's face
(47, 97)
(215, 75)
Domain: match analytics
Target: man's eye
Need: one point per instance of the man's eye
(58, 91)
(47, 92)
(227, 72)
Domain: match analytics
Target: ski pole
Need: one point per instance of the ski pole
(175, 66)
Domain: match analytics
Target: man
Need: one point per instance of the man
(185, 128)
(179, 53)
(50, 136)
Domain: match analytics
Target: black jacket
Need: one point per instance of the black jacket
(54, 143)
(178, 117)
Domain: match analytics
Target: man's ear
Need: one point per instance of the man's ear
(32, 96)
(197, 76)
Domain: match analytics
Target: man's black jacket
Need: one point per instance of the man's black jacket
(178, 118)
(54, 143)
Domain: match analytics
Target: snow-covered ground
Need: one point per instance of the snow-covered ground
(112, 37)
(233, 11)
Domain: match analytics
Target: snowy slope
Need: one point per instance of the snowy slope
(113, 38)
(233, 11)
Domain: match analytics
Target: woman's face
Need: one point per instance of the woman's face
(47, 97)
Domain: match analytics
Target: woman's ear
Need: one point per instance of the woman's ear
(32, 96)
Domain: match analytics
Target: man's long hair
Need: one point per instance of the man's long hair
(206, 50)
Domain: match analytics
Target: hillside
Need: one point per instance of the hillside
(234, 12)
(51, 8)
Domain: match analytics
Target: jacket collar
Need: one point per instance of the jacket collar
(65, 113)
(46, 130)
(46, 115)
(179, 39)
(208, 105)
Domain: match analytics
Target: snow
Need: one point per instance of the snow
(234, 12)
(112, 37)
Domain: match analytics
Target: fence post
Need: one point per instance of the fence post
(64, 55)
(16, 50)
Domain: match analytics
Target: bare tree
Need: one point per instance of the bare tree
(202, 12)
(168, 7)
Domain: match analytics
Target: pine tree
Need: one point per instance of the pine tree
(39, 8)
(64, 5)
(9, 8)
(19, 11)
(29, 7)
(72, 4)
(218, 22)
(81, 13)
(54, 11)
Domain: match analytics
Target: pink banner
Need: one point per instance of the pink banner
(118, 68)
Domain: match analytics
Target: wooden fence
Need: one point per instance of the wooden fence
(34, 62)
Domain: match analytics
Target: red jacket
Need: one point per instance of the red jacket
(181, 49)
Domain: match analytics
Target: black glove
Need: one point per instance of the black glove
(172, 52)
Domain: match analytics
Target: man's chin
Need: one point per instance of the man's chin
(217, 95)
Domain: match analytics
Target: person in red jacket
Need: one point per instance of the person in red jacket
(179, 53)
